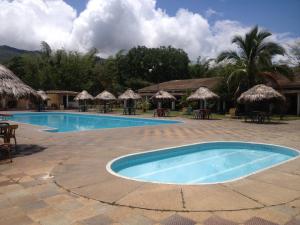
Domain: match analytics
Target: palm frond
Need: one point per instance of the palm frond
(236, 76)
(263, 35)
(271, 48)
(230, 55)
(239, 41)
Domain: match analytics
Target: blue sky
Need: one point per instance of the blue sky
(201, 28)
(279, 16)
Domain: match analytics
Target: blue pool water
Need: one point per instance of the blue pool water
(66, 122)
(205, 163)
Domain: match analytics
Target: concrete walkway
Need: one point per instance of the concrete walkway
(60, 178)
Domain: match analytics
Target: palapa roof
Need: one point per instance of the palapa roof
(129, 94)
(84, 95)
(163, 95)
(182, 85)
(12, 86)
(202, 93)
(260, 93)
(105, 96)
(43, 95)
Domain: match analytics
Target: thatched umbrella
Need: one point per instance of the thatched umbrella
(260, 93)
(105, 97)
(202, 94)
(162, 96)
(83, 96)
(129, 96)
(12, 87)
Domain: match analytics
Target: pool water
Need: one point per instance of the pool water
(67, 122)
(205, 163)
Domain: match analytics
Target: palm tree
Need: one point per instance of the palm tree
(253, 59)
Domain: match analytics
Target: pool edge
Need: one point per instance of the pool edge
(109, 169)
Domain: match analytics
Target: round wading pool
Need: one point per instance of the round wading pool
(202, 163)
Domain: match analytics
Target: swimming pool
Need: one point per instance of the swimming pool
(67, 122)
(203, 163)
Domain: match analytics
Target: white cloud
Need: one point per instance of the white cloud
(113, 25)
(25, 23)
(211, 12)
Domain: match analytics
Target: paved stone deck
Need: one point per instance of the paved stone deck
(60, 178)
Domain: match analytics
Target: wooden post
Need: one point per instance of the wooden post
(3, 103)
(298, 104)
(173, 105)
(67, 101)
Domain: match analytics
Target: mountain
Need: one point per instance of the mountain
(7, 53)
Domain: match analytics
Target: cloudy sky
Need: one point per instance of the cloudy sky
(200, 27)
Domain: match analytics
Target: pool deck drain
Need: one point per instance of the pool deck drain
(86, 192)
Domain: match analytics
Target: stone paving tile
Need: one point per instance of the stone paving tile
(57, 219)
(177, 220)
(279, 178)
(16, 220)
(215, 197)
(259, 221)
(147, 197)
(137, 220)
(215, 220)
(237, 216)
(83, 213)
(156, 215)
(196, 216)
(38, 204)
(97, 220)
(293, 222)
(274, 195)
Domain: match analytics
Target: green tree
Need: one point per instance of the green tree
(201, 68)
(253, 59)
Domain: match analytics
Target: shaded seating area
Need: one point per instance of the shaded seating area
(258, 116)
(82, 98)
(202, 95)
(105, 100)
(129, 110)
(202, 114)
(8, 132)
(129, 98)
(162, 97)
(258, 100)
(161, 112)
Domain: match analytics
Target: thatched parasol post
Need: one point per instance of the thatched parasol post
(105, 97)
(161, 96)
(83, 96)
(129, 96)
(202, 95)
(260, 94)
